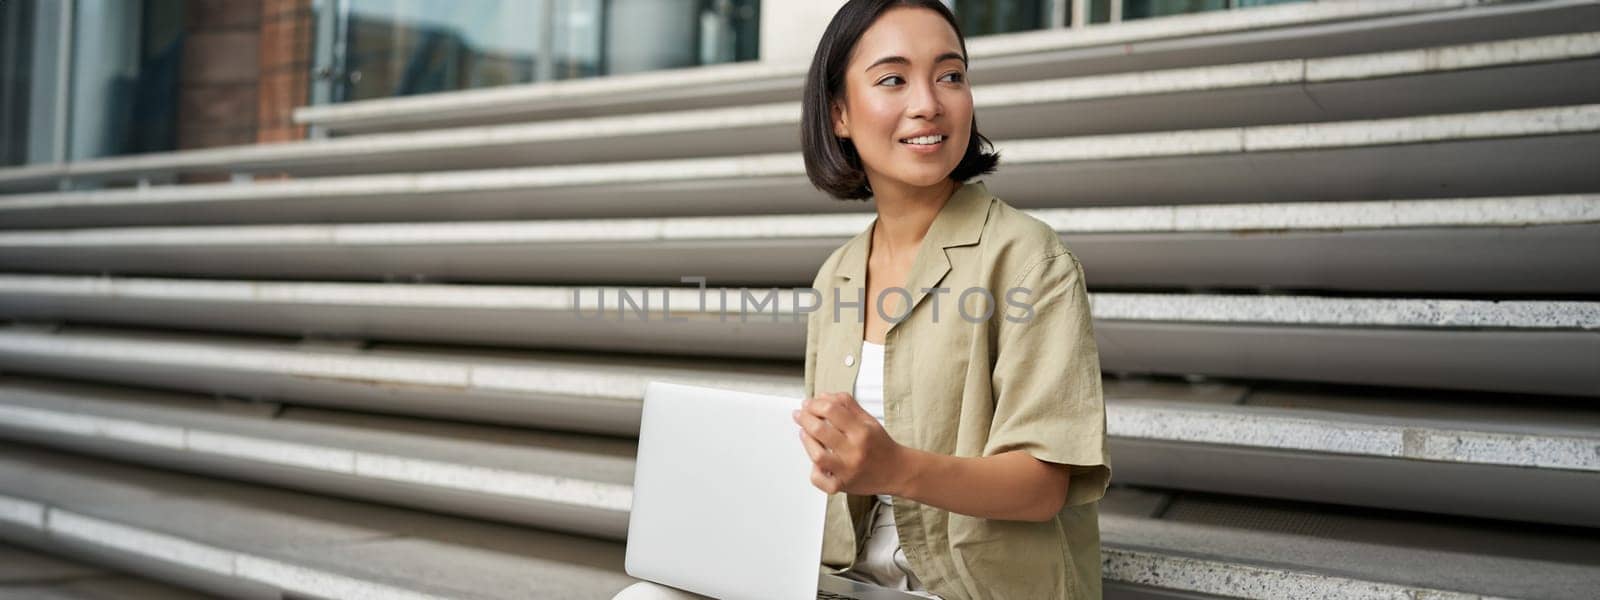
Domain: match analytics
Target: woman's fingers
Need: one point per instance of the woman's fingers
(814, 449)
(839, 410)
(827, 422)
(847, 445)
(821, 459)
(849, 408)
(822, 430)
(823, 481)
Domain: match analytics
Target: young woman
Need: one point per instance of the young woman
(954, 410)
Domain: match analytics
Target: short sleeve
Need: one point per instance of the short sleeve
(1046, 376)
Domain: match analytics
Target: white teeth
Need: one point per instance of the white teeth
(924, 140)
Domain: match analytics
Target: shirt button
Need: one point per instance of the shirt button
(849, 360)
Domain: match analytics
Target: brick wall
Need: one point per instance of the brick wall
(287, 29)
(246, 66)
(217, 89)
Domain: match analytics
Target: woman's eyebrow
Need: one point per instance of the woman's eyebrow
(901, 60)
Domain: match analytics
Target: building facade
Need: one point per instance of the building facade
(96, 78)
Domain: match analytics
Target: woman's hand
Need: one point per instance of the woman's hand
(849, 449)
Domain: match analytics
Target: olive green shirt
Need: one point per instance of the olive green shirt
(964, 381)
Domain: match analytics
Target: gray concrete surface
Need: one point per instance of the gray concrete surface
(299, 543)
(29, 575)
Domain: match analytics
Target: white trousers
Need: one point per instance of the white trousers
(645, 590)
(881, 563)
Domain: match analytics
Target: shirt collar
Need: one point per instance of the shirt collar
(959, 223)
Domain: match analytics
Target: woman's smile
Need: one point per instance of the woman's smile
(924, 144)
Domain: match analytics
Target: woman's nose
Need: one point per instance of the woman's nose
(924, 102)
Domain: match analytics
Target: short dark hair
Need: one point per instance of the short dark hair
(832, 162)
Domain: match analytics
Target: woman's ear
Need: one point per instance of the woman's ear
(841, 121)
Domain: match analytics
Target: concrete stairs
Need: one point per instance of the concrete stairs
(1341, 257)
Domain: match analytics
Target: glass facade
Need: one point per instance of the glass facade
(125, 59)
(1143, 9)
(405, 47)
(28, 78)
(81, 79)
(1250, 3)
(982, 17)
(1100, 11)
(383, 48)
(88, 78)
(575, 39)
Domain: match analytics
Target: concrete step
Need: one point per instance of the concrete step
(1219, 545)
(29, 575)
(1369, 446)
(1497, 75)
(1400, 245)
(1538, 347)
(1529, 459)
(598, 393)
(1308, 30)
(1419, 343)
(277, 541)
(557, 481)
(1491, 153)
(251, 541)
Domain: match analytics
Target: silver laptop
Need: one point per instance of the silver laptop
(723, 503)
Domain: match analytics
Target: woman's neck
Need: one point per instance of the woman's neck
(905, 214)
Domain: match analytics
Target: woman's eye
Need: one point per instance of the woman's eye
(953, 77)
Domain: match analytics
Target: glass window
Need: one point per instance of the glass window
(404, 47)
(120, 90)
(983, 17)
(648, 35)
(1141, 9)
(1100, 11)
(729, 30)
(576, 39)
(155, 94)
(28, 54)
(385, 48)
(1249, 3)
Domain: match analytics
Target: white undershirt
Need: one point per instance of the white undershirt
(882, 561)
(869, 388)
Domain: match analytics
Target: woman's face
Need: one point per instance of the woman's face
(906, 79)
